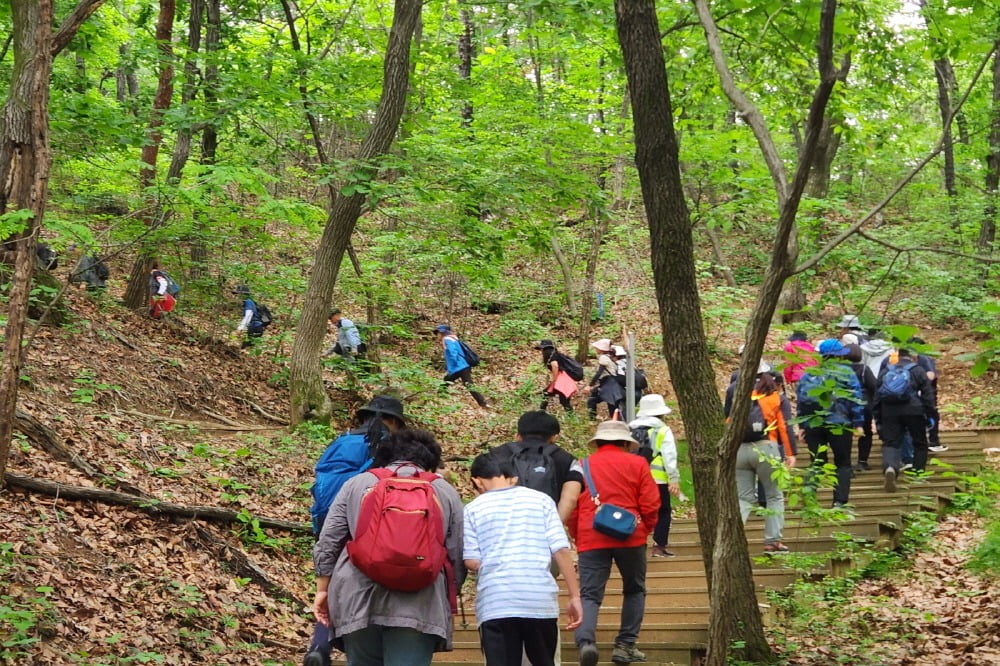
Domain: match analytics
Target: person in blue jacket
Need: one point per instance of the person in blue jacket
(347, 456)
(831, 408)
(456, 367)
(251, 323)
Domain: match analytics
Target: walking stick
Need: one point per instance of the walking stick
(461, 608)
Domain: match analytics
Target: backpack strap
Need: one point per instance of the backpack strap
(591, 488)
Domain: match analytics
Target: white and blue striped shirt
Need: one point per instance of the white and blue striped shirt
(513, 532)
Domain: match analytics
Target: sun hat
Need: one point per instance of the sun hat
(831, 347)
(652, 404)
(613, 431)
(849, 321)
(763, 367)
(604, 345)
(619, 350)
(384, 405)
(545, 344)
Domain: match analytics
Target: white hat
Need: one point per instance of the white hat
(849, 321)
(604, 345)
(763, 367)
(652, 405)
(619, 350)
(848, 339)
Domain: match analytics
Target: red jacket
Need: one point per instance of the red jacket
(622, 479)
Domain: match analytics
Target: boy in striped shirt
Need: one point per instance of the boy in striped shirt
(512, 533)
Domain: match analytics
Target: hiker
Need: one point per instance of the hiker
(929, 365)
(561, 384)
(604, 385)
(620, 356)
(656, 436)
(830, 403)
(251, 322)
(616, 532)
(541, 464)
(91, 271)
(904, 402)
(850, 325)
(868, 381)
(161, 301)
(407, 617)
(799, 355)
(767, 434)
(47, 258)
(344, 458)
(349, 345)
(512, 535)
(455, 362)
(874, 353)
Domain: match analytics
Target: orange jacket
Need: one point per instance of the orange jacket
(777, 428)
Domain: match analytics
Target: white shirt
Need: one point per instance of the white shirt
(513, 532)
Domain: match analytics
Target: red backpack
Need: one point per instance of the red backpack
(399, 541)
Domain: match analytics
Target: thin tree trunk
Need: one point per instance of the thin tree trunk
(309, 400)
(465, 62)
(720, 257)
(25, 162)
(136, 294)
(988, 226)
(567, 270)
(944, 76)
(210, 134)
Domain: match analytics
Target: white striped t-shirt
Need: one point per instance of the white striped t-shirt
(513, 532)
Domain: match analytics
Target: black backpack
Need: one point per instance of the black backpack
(569, 365)
(641, 435)
(535, 466)
(641, 383)
(756, 428)
(471, 357)
(263, 314)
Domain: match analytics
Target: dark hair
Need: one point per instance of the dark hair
(334, 311)
(547, 354)
(905, 352)
(914, 340)
(765, 384)
(491, 465)
(854, 353)
(537, 424)
(412, 445)
(799, 336)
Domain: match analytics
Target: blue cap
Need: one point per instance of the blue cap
(831, 347)
(443, 328)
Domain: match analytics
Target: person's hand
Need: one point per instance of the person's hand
(675, 489)
(859, 431)
(574, 613)
(321, 608)
(790, 462)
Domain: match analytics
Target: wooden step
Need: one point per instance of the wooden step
(659, 653)
(607, 631)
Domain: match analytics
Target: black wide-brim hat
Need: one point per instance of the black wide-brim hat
(545, 344)
(385, 405)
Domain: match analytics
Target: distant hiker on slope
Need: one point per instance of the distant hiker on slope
(604, 385)
(563, 374)
(457, 364)
(161, 301)
(251, 323)
(349, 345)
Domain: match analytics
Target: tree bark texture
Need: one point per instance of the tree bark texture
(465, 62)
(601, 223)
(988, 226)
(308, 397)
(210, 133)
(136, 294)
(684, 344)
(24, 179)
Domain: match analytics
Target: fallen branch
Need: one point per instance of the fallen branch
(260, 410)
(43, 437)
(937, 250)
(201, 425)
(148, 504)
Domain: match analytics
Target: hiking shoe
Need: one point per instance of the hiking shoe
(890, 480)
(589, 654)
(316, 658)
(906, 466)
(937, 448)
(661, 551)
(626, 654)
(862, 466)
(776, 547)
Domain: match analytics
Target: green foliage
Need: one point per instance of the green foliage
(986, 558)
(24, 612)
(88, 387)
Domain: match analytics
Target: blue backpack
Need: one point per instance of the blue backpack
(896, 386)
(345, 457)
(809, 390)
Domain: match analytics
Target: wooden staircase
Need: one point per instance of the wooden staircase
(675, 626)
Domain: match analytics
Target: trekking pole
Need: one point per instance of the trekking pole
(461, 608)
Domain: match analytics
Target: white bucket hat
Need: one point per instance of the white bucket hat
(652, 405)
(619, 350)
(850, 321)
(763, 367)
(604, 345)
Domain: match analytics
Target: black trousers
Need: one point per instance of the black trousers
(840, 444)
(563, 400)
(505, 639)
(894, 425)
(661, 533)
(865, 441)
(466, 377)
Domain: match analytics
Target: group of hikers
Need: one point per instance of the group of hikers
(383, 599)
(386, 600)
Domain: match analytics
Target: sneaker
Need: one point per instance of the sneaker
(316, 658)
(890, 480)
(862, 466)
(776, 547)
(906, 466)
(937, 448)
(661, 551)
(626, 654)
(589, 654)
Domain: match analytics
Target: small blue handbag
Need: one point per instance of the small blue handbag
(609, 519)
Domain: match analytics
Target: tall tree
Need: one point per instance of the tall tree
(988, 225)
(25, 161)
(309, 399)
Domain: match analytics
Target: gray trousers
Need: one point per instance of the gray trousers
(595, 569)
(755, 463)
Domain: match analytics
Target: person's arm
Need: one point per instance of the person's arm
(321, 603)
(668, 453)
(568, 498)
(553, 372)
(470, 540)
(161, 284)
(351, 334)
(786, 431)
(649, 497)
(247, 316)
(574, 607)
(331, 542)
(857, 401)
(454, 539)
(926, 388)
(727, 405)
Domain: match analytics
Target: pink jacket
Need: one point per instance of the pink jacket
(799, 355)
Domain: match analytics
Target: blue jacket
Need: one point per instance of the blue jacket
(454, 358)
(848, 406)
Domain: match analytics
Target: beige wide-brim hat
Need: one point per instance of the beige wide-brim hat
(613, 431)
(604, 345)
(653, 405)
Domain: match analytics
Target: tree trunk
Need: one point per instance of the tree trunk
(308, 397)
(601, 223)
(210, 134)
(567, 271)
(819, 178)
(465, 63)
(944, 76)
(136, 294)
(24, 173)
(988, 226)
